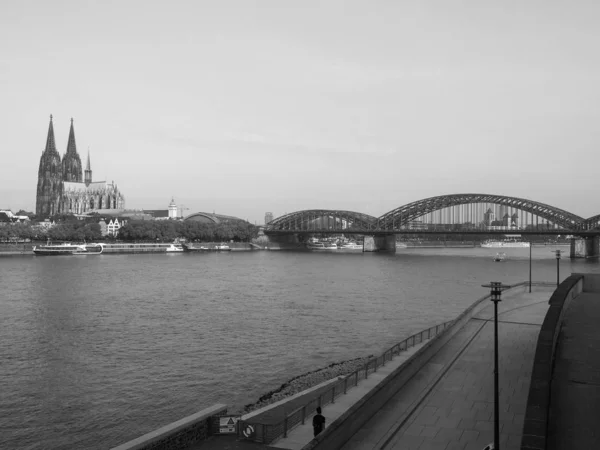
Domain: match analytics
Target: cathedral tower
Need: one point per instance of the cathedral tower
(49, 187)
(71, 163)
(88, 171)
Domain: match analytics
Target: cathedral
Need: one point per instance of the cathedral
(62, 187)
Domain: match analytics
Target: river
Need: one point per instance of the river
(98, 350)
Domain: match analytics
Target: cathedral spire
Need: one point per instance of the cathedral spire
(71, 147)
(50, 143)
(88, 170)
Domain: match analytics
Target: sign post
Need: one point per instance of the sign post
(227, 424)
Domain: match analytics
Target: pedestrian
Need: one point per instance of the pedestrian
(318, 422)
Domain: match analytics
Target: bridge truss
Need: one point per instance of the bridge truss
(456, 214)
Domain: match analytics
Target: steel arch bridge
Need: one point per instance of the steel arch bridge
(456, 213)
(319, 220)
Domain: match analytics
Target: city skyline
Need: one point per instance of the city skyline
(338, 105)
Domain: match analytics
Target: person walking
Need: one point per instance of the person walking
(318, 422)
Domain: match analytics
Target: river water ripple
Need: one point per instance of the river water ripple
(99, 350)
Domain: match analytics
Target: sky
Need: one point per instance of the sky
(243, 107)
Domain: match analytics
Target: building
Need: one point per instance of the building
(211, 218)
(62, 187)
(7, 217)
(268, 217)
(172, 209)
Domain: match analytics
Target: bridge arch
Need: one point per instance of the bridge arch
(408, 213)
(592, 223)
(321, 219)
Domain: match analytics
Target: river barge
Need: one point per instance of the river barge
(126, 247)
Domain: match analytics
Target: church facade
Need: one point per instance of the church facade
(62, 186)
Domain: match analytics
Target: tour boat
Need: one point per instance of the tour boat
(351, 246)
(58, 249)
(203, 248)
(507, 243)
(135, 247)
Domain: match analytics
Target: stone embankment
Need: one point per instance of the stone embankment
(306, 381)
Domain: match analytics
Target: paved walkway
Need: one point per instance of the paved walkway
(449, 403)
(575, 405)
(455, 410)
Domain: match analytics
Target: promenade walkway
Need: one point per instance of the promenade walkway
(449, 403)
(575, 404)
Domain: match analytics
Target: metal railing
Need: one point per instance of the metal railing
(267, 433)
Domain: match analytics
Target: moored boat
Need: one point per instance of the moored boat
(351, 246)
(90, 249)
(204, 248)
(58, 249)
(127, 247)
(507, 243)
(500, 256)
(174, 248)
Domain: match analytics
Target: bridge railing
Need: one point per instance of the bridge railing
(267, 433)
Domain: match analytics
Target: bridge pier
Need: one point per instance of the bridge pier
(585, 247)
(385, 243)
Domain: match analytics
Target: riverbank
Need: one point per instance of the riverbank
(305, 381)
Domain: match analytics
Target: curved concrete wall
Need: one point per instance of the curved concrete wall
(535, 428)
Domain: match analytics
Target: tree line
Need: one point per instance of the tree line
(168, 230)
(68, 228)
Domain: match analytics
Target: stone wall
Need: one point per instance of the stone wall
(181, 434)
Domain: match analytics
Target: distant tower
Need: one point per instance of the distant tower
(268, 217)
(172, 209)
(71, 163)
(49, 186)
(88, 171)
(489, 217)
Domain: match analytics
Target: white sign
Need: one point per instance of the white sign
(227, 424)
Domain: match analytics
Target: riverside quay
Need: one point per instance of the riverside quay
(522, 377)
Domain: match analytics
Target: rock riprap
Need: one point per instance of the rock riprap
(306, 381)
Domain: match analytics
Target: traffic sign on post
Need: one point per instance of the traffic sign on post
(227, 424)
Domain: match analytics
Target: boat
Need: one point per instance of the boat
(500, 256)
(330, 246)
(127, 247)
(351, 246)
(89, 249)
(315, 245)
(506, 243)
(174, 248)
(204, 248)
(58, 249)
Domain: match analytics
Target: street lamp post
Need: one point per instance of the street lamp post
(496, 294)
(557, 267)
(530, 245)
